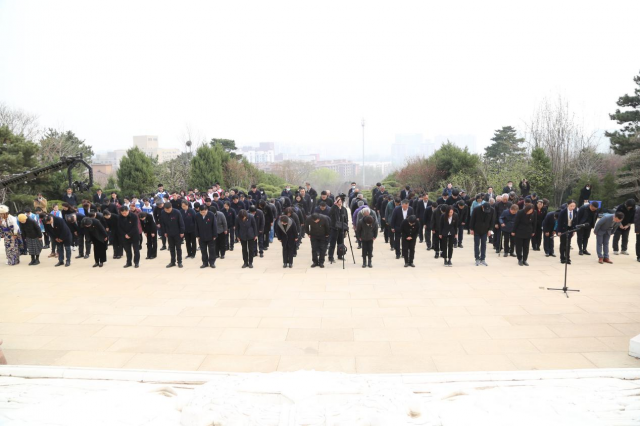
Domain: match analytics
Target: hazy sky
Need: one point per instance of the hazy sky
(307, 72)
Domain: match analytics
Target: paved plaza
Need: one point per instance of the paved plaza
(388, 319)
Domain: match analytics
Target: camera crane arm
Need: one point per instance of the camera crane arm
(65, 162)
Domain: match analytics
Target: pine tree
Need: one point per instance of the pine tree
(506, 144)
(207, 166)
(627, 139)
(136, 173)
(539, 174)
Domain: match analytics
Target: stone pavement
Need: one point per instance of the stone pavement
(388, 319)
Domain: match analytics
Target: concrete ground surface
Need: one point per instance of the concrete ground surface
(388, 319)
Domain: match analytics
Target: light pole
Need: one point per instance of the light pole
(188, 143)
(363, 153)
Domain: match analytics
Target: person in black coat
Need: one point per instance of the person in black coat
(567, 221)
(339, 225)
(258, 246)
(268, 222)
(99, 238)
(129, 228)
(409, 231)
(99, 198)
(549, 232)
(246, 232)
(525, 188)
(32, 234)
(449, 224)
(70, 198)
(151, 231)
(286, 193)
(587, 215)
(436, 216)
(421, 206)
(288, 234)
(523, 230)
(463, 216)
(426, 221)
(585, 195)
(158, 208)
(231, 218)
(481, 226)
(189, 218)
(509, 188)
(173, 228)
(57, 228)
(114, 234)
(541, 214)
(73, 222)
(628, 209)
(400, 213)
(207, 232)
(318, 229)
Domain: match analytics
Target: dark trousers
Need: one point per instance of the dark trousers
(208, 252)
(265, 235)
(318, 249)
(624, 233)
(420, 231)
(46, 239)
(522, 248)
(583, 238)
(427, 236)
(221, 243)
(99, 251)
(86, 239)
(62, 249)
(231, 238)
(480, 246)
(508, 242)
(152, 246)
(408, 250)
(497, 235)
(190, 243)
(390, 234)
(129, 244)
(385, 230)
(260, 242)
(446, 245)
(247, 253)
(117, 246)
(437, 242)
(565, 242)
(337, 237)
(548, 244)
(397, 237)
(460, 234)
(537, 239)
(163, 239)
(367, 249)
(175, 248)
(287, 253)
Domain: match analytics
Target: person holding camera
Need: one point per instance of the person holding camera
(339, 225)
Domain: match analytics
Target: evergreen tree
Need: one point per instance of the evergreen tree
(207, 166)
(506, 145)
(228, 145)
(17, 155)
(627, 139)
(136, 173)
(539, 173)
(451, 159)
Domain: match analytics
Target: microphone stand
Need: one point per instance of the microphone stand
(565, 289)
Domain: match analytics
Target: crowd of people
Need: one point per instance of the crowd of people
(215, 221)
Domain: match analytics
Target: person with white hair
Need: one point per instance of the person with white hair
(10, 232)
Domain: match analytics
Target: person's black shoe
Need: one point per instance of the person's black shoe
(505, 255)
(437, 255)
(513, 255)
(406, 265)
(370, 265)
(284, 265)
(638, 259)
(397, 256)
(412, 265)
(525, 263)
(392, 249)
(562, 261)
(163, 248)
(331, 260)
(580, 252)
(95, 265)
(552, 255)
(67, 263)
(251, 266)
(213, 266)
(546, 255)
(128, 265)
(266, 248)
(101, 264)
(137, 265)
(231, 249)
(221, 257)
(449, 263)
(80, 256)
(204, 266)
(290, 265)
(586, 253)
(171, 265)
(179, 264)
(261, 255)
(568, 262)
(322, 264)
(455, 245)
(460, 246)
(86, 256)
(364, 265)
(520, 262)
(313, 265)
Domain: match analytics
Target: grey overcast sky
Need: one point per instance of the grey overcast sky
(305, 73)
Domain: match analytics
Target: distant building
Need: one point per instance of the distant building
(346, 169)
(149, 145)
(111, 157)
(264, 153)
(102, 172)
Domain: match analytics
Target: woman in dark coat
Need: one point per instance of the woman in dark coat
(523, 229)
(287, 233)
(246, 231)
(585, 195)
(525, 188)
(31, 231)
(99, 238)
(449, 224)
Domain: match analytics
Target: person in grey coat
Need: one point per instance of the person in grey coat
(221, 226)
(606, 226)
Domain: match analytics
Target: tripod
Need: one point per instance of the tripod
(350, 248)
(565, 289)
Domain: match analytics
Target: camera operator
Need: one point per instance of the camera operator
(339, 224)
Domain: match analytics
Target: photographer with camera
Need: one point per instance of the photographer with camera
(339, 225)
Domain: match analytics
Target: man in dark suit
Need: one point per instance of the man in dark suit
(207, 232)
(61, 236)
(509, 188)
(70, 198)
(587, 214)
(129, 229)
(399, 214)
(422, 205)
(567, 221)
(99, 198)
(481, 225)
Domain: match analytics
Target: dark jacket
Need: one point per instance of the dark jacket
(318, 230)
(30, 229)
(463, 214)
(230, 215)
(585, 195)
(420, 209)
(286, 194)
(397, 217)
(259, 217)
(525, 224)
(636, 221)
(585, 215)
(206, 227)
(148, 225)
(172, 223)
(70, 199)
(427, 217)
(628, 214)
(549, 223)
(339, 218)
(525, 189)
(97, 231)
(246, 230)
(481, 221)
(59, 230)
(268, 217)
(563, 221)
(99, 199)
(189, 219)
(129, 226)
(435, 220)
(287, 237)
(366, 232)
(446, 228)
(508, 220)
(409, 230)
(507, 190)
